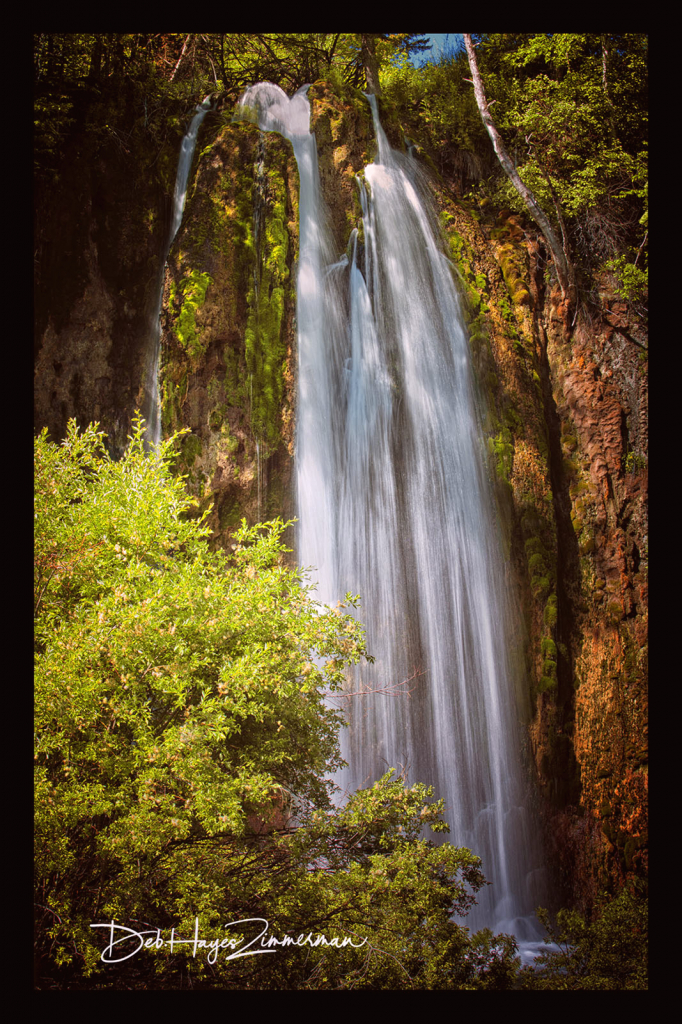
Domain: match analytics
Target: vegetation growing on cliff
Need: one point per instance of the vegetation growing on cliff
(572, 110)
(182, 744)
(192, 295)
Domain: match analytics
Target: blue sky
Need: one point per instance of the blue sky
(438, 41)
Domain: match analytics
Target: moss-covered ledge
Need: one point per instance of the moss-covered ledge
(228, 337)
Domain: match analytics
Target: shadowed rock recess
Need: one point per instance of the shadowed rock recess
(565, 420)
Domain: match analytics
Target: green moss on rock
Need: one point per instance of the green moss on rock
(191, 449)
(546, 684)
(264, 346)
(192, 292)
(502, 448)
(550, 612)
(548, 647)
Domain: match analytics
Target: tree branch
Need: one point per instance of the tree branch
(392, 690)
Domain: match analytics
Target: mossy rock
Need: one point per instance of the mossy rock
(536, 564)
(549, 668)
(502, 448)
(548, 647)
(614, 612)
(230, 513)
(191, 449)
(550, 612)
(513, 420)
(578, 487)
(570, 469)
(534, 546)
(215, 419)
(192, 291)
(546, 684)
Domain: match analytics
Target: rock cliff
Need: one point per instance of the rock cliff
(566, 425)
(101, 220)
(568, 439)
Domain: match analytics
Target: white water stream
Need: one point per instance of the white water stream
(152, 412)
(394, 503)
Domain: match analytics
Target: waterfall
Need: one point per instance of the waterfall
(394, 503)
(151, 409)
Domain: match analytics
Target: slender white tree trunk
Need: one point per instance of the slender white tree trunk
(184, 47)
(564, 270)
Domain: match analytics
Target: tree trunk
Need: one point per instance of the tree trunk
(563, 266)
(96, 59)
(175, 69)
(369, 61)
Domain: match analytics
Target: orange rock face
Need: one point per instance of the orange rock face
(599, 385)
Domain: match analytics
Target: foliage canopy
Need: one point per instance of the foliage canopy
(572, 109)
(183, 752)
(573, 113)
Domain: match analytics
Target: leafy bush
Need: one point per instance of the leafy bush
(183, 747)
(632, 283)
(610, 953)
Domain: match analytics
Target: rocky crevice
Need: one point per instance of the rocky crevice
(101, 219)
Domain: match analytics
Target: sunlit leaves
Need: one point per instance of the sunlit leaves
(183, 746)
(170, 680)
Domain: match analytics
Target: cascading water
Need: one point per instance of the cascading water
(151, 406)
(319, 326)
(394, 504)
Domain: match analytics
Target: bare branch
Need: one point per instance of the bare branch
(392, 690)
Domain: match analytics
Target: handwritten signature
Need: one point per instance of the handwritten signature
(151, 939)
